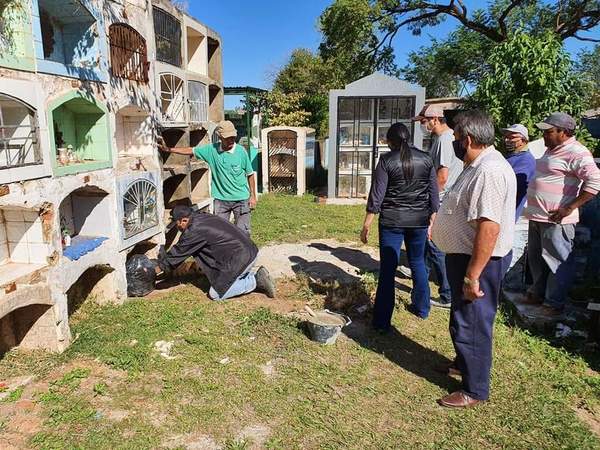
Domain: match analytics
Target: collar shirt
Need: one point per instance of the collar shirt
(486, 189)
(560, 176)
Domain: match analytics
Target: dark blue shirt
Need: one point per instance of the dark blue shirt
(523, 164)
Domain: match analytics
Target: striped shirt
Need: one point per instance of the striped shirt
(560, 175)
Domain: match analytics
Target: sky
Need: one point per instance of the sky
(258, 36)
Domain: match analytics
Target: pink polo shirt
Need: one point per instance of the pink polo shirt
(560, 175)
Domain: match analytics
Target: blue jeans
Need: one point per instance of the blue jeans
(244, 284)
(436, 261)
(550, 258)
(390, 243)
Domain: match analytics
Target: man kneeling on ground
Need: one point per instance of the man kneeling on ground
(224, 253)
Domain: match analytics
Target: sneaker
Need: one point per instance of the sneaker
(405, 271)
(264, 282)
(411, 309)
(441, 303)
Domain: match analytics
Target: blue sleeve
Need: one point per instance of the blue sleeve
(378, 188)
(524, 173)
(434, 191)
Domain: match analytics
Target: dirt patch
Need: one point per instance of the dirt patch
(590, 418)
(323, 260)
(193, 441)
(255, 436)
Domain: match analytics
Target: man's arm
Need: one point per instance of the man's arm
(483, 247)
(442, 177)
(252, 186)
(559, 214)
(179, 150)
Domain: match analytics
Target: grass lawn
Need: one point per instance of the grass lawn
(243, 375)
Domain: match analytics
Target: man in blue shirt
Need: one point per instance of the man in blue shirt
(516, 140)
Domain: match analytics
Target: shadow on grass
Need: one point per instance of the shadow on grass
(406, 353)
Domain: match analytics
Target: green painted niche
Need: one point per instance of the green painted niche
(82, 125)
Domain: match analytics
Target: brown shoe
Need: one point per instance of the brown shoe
(458, 399)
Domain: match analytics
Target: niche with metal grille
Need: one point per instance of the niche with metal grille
(198, 102)
(128, 53)
(140, 208)
(172, 97)
(167, 30)
(282, 148)
(18, 134)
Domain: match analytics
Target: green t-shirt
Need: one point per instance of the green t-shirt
(229, 171)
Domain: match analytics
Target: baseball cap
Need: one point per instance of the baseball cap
(428, 112)
(226, 129)
(557, 119)
(517, 128)
(179, 212)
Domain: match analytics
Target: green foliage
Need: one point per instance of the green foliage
(588, 66)
(14, 396)
(286, 110)
(528, 78)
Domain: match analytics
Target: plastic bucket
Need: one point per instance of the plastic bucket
(325, 326)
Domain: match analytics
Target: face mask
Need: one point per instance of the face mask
(459, 150)
(510, 145)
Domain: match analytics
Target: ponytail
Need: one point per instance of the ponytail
(398, 137)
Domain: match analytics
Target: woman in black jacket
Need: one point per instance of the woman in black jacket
(405, 195)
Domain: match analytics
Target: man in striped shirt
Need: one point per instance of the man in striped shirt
(566, 178)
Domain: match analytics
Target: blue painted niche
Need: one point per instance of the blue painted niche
(70, 39)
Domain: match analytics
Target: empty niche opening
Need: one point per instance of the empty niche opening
(147, 248)
(174, 137)
(96, 284)
(30, 325)
(80, 132)
(214, 96)
(134, 132)
(69, 34)
(23, 247)
(198, 137)
(84, 221)
(200, 187)
(195, 51)
(176, 191)
(214, 58)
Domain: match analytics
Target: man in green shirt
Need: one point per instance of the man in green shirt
(233, 179)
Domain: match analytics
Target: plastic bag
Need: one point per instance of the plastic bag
(141, 275)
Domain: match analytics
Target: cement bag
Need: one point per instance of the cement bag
(141, 275)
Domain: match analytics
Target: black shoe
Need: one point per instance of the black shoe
(264, 282)
(411, 309)
(441, 303)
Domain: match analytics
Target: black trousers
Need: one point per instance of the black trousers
(472, 323)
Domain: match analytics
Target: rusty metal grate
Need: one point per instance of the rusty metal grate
(128, 53)
(167, 30)
(282, 149)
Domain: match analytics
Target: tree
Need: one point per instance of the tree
(588, 66)
(566, 18)
(450, 66)
(530, 77)
(285, 110)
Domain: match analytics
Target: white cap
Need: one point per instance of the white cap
(517, 128)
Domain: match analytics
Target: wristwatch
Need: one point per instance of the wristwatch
(470, 282)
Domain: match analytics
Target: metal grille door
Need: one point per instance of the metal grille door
(197, 101)
(172, 98)
(283, 176)
(128, 55)
(167, 30)
(139, 204)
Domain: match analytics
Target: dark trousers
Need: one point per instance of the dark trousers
(390, 243)
(435, 260)
(472, 323)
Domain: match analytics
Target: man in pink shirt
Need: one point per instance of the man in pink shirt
(566, 178)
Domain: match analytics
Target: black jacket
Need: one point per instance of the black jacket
(401, 202)
(222, 251)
